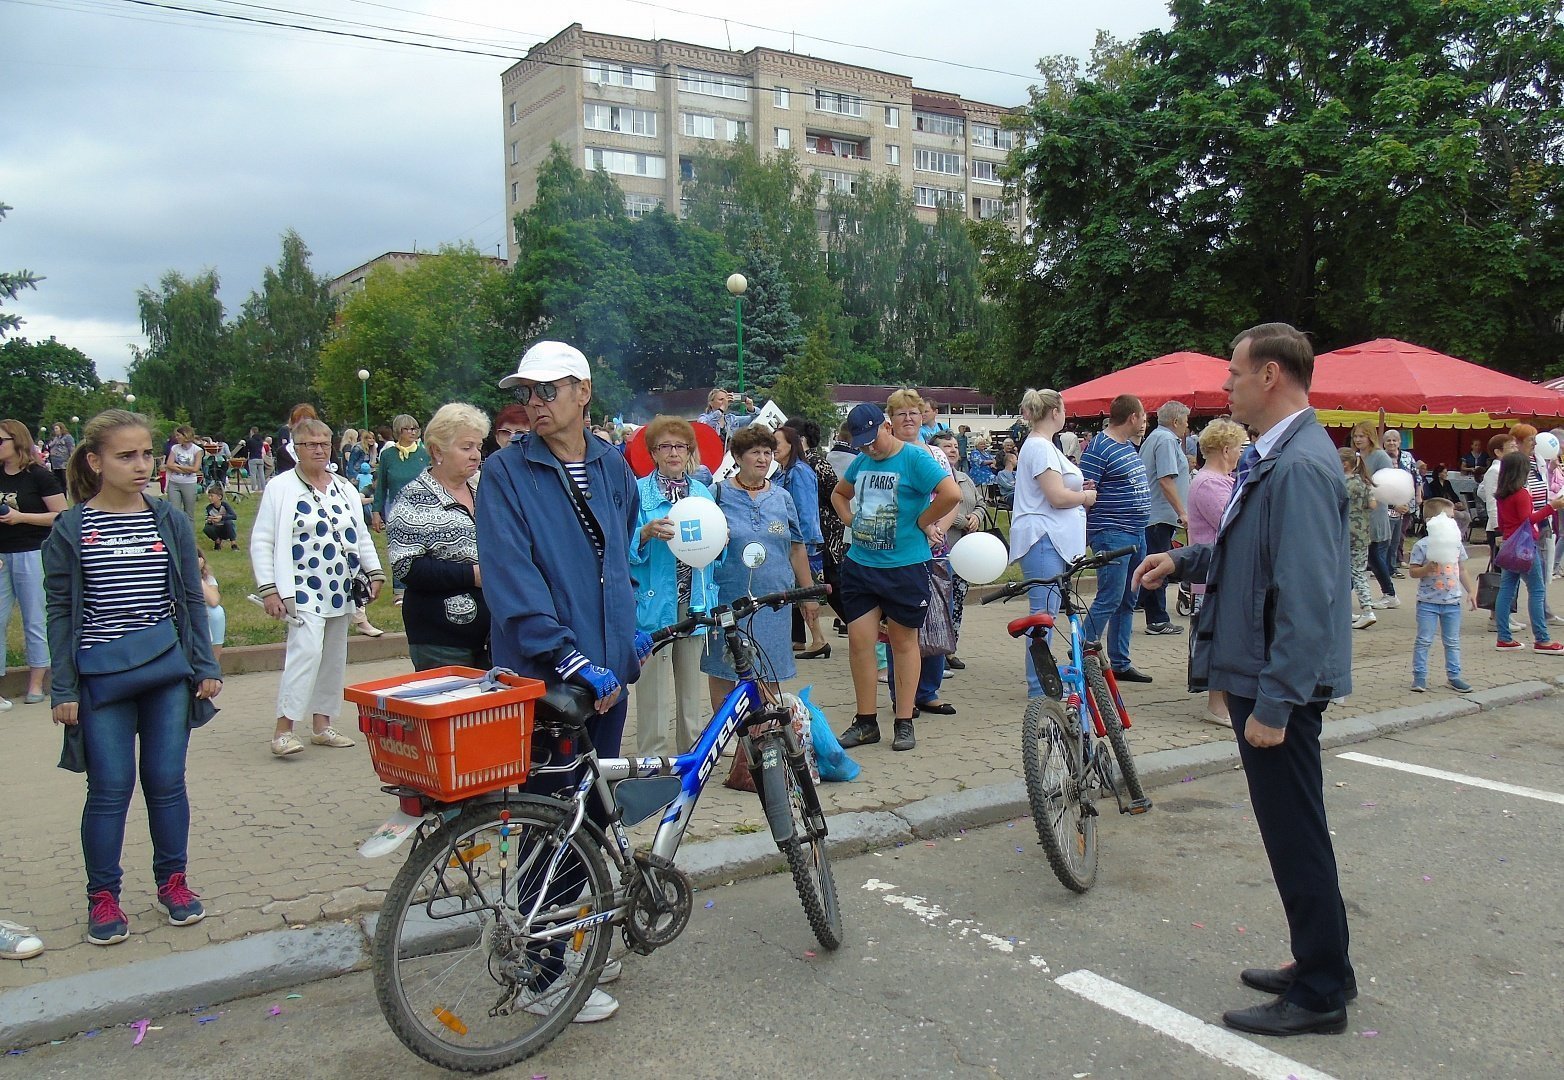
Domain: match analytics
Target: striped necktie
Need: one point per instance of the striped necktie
(1246, 462)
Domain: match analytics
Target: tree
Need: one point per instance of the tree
(772, 333)
(1355, 169)
(187, 358)
(31, 371)
(807, 380)
(11, 284)
(428, 335)
(278, 338)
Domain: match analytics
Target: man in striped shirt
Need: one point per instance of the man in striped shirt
(1117, 520)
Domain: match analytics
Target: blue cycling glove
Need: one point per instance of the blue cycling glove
(574, 665)
(643, 645)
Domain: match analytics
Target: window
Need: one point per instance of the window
(892, 154)
(779, 97)
(922, 195)
(697, 126)
(638, 206)
(939, 123)
(513, 113)
(836, 180)
(995, 138)
(608, 74)
(620, 118)
(713, 85)
(825, 144)
(515, 192)
(625, 163)
(841, 104)
(514, 154)
(738, 129)
(686, 169)
(985, 208)
(784, 138)
(892, 116)
(936, 161)
(985, 171)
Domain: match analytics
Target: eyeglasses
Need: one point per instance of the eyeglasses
(408, 430)
(313, 445)
(546, 391)
(907, 414)
(670, 447)
(508, 433)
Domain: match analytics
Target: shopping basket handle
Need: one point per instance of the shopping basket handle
(487, 683)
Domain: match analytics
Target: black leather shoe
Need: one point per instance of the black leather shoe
(1131, 674)
(1279, 980)
(955, 662)
(1282, 1017)
(939, 708)
(861, 733)
(902, 737)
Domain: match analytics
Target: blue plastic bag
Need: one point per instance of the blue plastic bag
(829, 755)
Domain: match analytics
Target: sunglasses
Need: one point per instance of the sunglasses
(547, 391)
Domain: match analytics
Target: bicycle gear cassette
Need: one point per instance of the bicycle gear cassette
(660, 905)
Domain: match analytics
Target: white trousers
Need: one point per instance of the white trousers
(670, 700)
(314, 667)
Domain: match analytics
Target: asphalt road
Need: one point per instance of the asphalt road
(957, 950)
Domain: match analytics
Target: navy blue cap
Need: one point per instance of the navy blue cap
(863, 424)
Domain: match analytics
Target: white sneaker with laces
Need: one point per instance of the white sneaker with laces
(598, 1005)
(5, 704)
(286, 745)
(1364, 620)
(331, 737)
(17, 942)
(1389, 602)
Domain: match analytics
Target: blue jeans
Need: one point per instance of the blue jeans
(1159, 539)
(1042, 560)
(161, 718)
(21, 583)
(1536, 601)
(930, 674)
(1114, 604)
(1379, 566)
(1447, 619)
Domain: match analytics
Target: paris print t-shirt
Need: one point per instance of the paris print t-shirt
(888, 498)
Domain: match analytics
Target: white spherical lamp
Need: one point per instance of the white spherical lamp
(737, 283)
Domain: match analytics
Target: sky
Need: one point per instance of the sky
(136, 139)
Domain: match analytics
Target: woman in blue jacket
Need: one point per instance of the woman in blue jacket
(669, 705)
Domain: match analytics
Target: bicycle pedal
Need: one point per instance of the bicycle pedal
(1139, 806)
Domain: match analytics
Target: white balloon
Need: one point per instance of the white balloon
(979, 557)
(700, 532)
(1547, 446)
(1393, 487)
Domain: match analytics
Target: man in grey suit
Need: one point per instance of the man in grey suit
(1273, 634)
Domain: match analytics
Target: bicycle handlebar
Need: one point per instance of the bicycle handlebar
(741, 608)
(1095, 561)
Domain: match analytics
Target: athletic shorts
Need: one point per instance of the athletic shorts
(900, 592)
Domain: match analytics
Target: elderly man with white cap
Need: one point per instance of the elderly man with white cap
(554, 512)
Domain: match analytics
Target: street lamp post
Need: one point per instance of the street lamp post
(363, 382)
(736, 285)
(76, 425)
(130, 399)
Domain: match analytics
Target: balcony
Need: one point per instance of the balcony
(831, 146)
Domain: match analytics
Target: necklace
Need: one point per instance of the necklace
(740, 482)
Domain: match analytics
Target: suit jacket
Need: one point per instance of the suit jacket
(1274, 625)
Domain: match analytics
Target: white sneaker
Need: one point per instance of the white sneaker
(1388, 602)
(611, 970)
(1364, 620)
(331, 737)
(1557, 620)
(17, 942)
(598, 1006)
(287, 744)
(5, 704)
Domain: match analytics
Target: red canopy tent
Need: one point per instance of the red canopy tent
(1193, 378)
(1403, 378)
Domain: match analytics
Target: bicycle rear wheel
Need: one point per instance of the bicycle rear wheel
(461, 981)
(1055, 783)
(1108, 709)
(793, 810)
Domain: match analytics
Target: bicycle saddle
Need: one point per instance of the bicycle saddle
(566, 706)
(1020, 626)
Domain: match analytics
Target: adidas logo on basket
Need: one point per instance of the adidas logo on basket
(399, 749)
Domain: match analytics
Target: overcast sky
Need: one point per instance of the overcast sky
(135, 139)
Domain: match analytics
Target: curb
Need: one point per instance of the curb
(279, 959)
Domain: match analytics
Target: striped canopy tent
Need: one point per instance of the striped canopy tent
(1193, 378)
(1418, 387)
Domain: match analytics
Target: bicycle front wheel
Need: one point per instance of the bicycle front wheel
(793, 809)
(1055, 781)
(463, 978)
(1108, 709)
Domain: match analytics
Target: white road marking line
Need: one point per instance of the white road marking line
(1214, 1042)
(1459, 778)
(932, 914)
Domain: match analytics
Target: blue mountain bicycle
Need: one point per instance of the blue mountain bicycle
(497, 928)
(1061, 755)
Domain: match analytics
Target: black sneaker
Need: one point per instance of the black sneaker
(903, 738)
(861, 733)
(106, 922)
(1164, 628)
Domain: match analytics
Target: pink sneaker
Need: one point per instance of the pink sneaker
(1548, 647)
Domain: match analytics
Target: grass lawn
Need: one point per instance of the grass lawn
(247, 624)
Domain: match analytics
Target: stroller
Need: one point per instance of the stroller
(1186, 591)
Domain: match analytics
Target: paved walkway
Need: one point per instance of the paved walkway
(273, 841)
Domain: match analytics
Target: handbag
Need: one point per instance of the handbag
(1488, 589)
(937, 636)
(1519, 551)
(132, 664)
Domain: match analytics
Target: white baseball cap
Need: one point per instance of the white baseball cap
(547, 361)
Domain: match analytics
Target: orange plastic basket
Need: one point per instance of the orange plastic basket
(448, 750)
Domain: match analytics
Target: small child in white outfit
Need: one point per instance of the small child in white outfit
(1438, 562)
(216, 617)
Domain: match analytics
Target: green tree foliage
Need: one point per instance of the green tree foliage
(188, 357)
(428, 335)
(807, 380)
(11, 284)
(32, 371)
(1358, 169)
(772, 333)
(277, 339)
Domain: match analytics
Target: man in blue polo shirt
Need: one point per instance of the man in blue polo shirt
(1116, 520)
